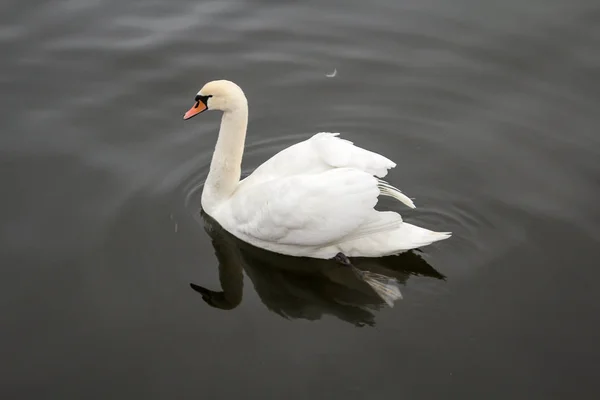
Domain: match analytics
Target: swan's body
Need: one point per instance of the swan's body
(314, 199)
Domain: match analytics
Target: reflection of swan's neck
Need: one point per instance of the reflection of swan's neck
(225, 168)
(231, 273)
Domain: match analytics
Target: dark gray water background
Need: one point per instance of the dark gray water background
(489, 108)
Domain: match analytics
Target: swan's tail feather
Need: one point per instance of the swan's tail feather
(386, 287)
(388, 190)
(420, 236)
(404, 236)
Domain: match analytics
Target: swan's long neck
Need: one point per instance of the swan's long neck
(226, 164)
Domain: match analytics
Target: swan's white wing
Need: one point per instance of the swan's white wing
(321, 152)
(338, 153)
(341, 153)
(306, 209)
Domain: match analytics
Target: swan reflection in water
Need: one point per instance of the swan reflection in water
(306, 288)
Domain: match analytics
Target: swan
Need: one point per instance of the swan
(313, 199)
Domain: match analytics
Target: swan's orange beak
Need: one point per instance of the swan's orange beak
(195, 110)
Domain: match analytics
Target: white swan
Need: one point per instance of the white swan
(313, 199)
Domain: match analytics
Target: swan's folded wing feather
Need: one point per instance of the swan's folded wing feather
(308, 210)
(341, 153)
(322, 152)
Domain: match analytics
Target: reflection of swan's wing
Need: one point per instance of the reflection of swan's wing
(293, 294)
(400, 267)
(304, 288)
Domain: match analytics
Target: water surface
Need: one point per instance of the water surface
(490, 110)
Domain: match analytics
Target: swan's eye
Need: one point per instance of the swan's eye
(199, 98)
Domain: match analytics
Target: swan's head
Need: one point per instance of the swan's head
(217, 95)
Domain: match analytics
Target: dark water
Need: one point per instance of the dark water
(489, 108)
